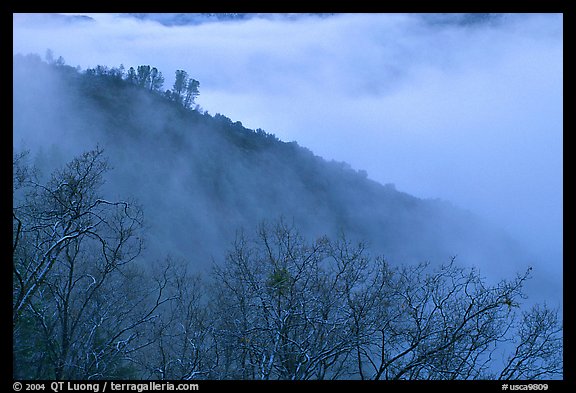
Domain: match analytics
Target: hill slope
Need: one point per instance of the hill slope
(201, 178)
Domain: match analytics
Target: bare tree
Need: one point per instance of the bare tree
(288, 309)
(281, 309)
(538, 346)
(71, 255)
(179, 344)
(48, 218)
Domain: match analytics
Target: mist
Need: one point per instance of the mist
(467, 113)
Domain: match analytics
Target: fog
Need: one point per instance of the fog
(469, 113)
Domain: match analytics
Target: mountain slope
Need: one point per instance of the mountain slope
(201, 178)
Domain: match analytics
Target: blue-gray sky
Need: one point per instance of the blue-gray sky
(467, 113)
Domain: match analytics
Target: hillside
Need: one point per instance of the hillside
(201, 178)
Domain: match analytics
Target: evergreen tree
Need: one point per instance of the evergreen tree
(191, 92)
(131, 76)
(143, 76)
(180, 84)
(156, 80)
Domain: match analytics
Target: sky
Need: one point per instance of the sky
(471, 114)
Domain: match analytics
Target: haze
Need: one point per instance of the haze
(469, 113)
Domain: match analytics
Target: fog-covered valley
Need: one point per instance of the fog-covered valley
(422, 168)
(200, 179)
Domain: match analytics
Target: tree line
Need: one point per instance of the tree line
(88, 305)
(184, 91)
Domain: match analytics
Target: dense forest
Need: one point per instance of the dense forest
(152, 240)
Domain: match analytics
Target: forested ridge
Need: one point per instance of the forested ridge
(152, 240)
